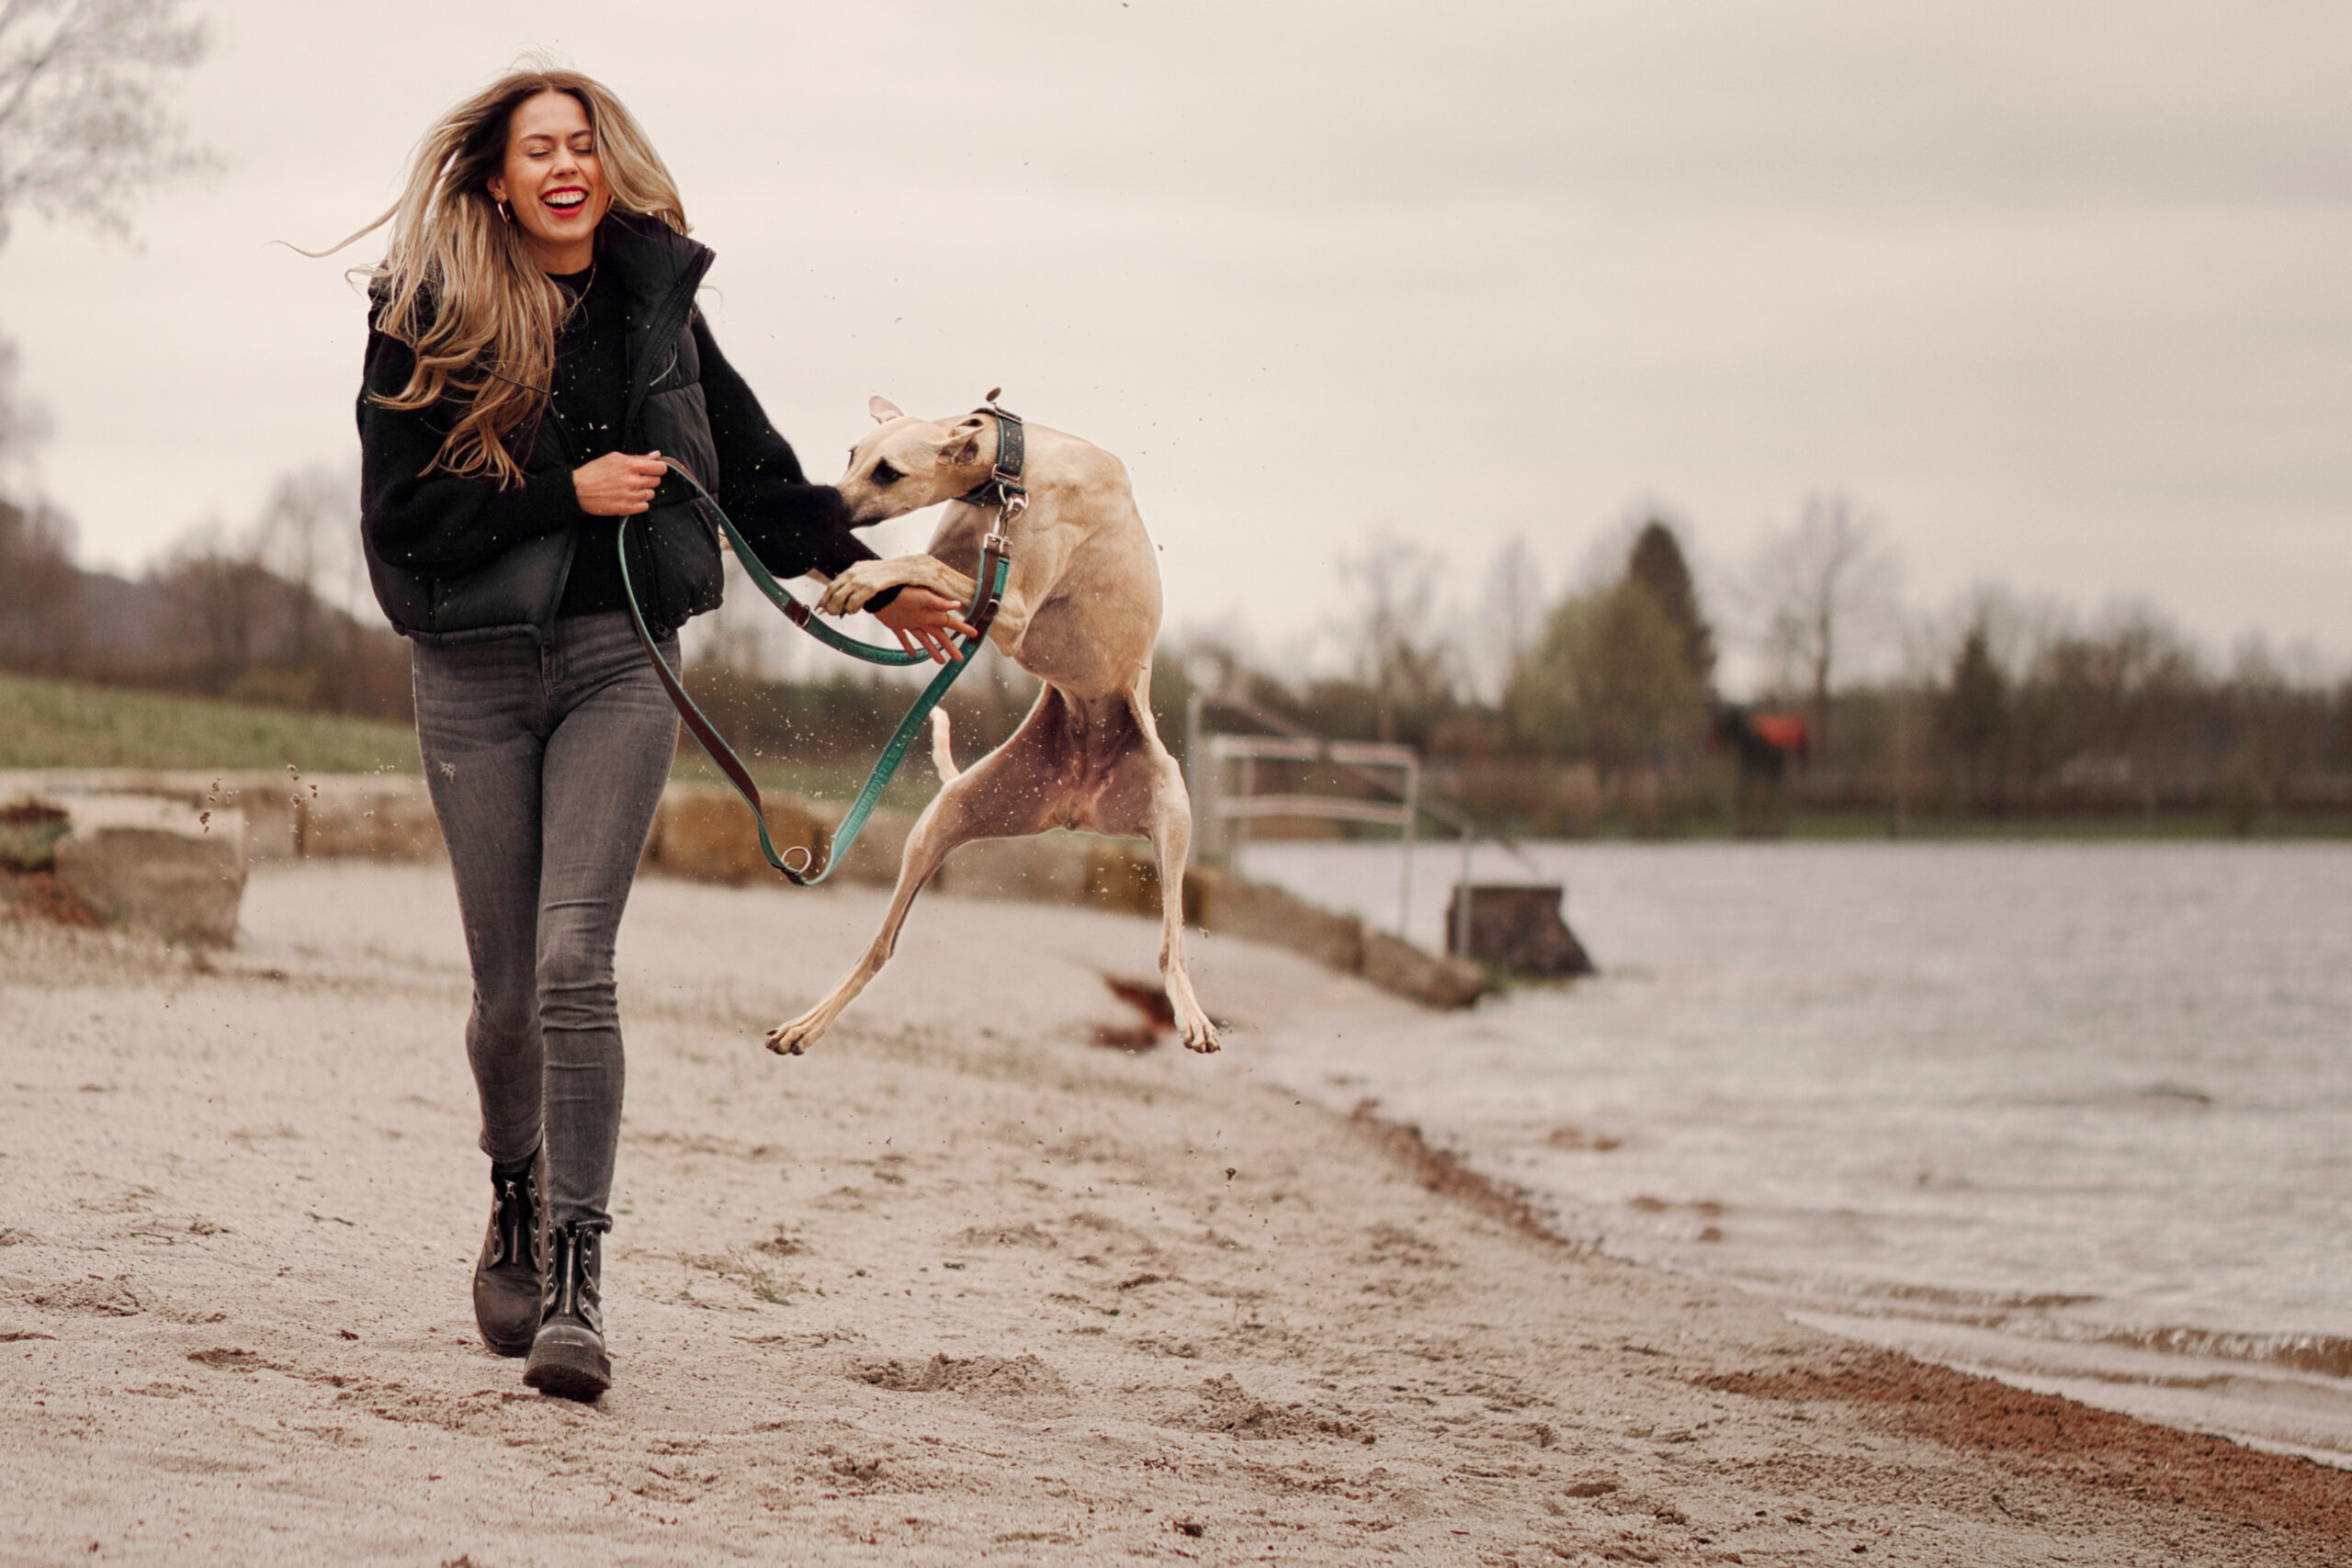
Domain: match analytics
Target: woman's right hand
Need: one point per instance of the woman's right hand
(617, 484)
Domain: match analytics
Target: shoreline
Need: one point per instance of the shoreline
(958, 1283)
(2063, 1113)
(1895, 1339)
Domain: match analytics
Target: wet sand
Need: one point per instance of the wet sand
(960, 1284)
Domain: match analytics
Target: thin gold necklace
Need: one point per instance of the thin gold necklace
(580, 298)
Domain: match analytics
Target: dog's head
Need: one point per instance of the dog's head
(911, 463)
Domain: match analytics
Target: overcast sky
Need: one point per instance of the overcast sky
(2060, 292)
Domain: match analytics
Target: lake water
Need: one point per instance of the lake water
(2076, 1116)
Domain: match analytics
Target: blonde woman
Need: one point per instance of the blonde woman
(534, 358)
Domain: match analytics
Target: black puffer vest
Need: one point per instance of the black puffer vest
(674, 556)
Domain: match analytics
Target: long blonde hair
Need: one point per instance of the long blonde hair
(457, 284)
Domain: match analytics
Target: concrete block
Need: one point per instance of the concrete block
(29, 830)
(1394, 964)
(1517, 927)
(269, 801)
(1123, 875)
(704, 832)
(153, 863)
(367, 816)
(271, 809)
(266, 799)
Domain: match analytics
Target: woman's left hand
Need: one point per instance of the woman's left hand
(922, 621)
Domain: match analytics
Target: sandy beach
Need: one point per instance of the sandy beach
(961, 1284)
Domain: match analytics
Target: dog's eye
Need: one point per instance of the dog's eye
(883, 474)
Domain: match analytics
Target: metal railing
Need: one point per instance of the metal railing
(1401, 804)
(1241, 806)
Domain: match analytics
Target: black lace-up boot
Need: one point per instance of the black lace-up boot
(567, 1357)
(507, 1276)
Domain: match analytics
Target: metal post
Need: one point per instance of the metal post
(1902, 759)
(1412, 814)
(1240, 839)
(1205, 824)
(1462, 900)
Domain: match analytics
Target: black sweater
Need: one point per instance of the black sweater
(441, 521)
(590, 401)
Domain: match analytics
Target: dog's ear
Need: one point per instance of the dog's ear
(883, 410)
(963, 446)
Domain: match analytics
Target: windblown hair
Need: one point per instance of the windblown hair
(457, 286)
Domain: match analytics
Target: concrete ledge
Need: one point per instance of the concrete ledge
(153, 863)
(366, 816)
(1227, 905)
(1047, 868)
(874, 858)
(703, 831)
(1394, 964)
(1231, 905)
(266, 800)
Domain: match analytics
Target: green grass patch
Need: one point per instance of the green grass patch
(70, 724)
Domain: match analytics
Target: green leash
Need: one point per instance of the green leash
(987, 596)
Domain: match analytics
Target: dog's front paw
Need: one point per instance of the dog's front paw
(1200, 1035)
(847, 594)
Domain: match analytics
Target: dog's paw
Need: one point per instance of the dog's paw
(1201, 1037)
(790, 1039)
(848, 592)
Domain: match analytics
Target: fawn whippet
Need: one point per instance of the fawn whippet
(1080, 612)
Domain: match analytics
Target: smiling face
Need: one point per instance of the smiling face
(553, 182)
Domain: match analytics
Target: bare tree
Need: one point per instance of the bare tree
(83, 125)
(1823, 588)
(308, 534)
(1972, 716)
(1514, 610)
(1402, 651)
(22, 424)
(40, 594)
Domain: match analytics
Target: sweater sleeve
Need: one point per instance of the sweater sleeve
(794, 526)
(419, 519)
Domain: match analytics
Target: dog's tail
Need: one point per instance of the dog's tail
(942, 757)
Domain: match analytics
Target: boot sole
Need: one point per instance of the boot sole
(568, 1362)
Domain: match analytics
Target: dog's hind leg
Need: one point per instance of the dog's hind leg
(1172, 842)
(1004, 795)
(1164, 815)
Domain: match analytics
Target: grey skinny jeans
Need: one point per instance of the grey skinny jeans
(546, 763)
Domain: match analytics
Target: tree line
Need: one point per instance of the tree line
(1565, 713)
(1602, 705)
(273, 610)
